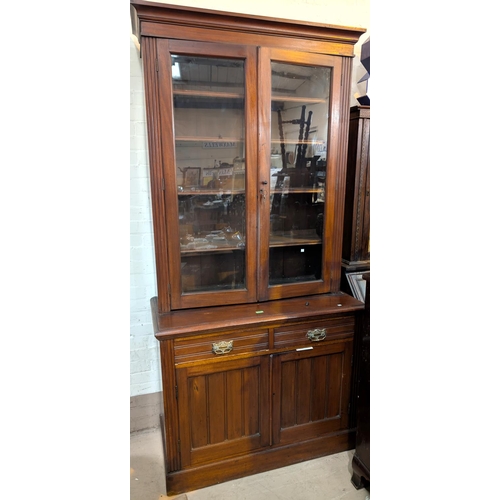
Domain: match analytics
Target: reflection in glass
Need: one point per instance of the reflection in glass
(299, 123)
(209, 115)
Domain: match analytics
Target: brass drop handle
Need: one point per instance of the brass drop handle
(316, 335)
(222, 347)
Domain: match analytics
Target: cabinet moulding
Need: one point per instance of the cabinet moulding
(155, 19)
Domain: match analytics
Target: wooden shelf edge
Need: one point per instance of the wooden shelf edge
(205, 319)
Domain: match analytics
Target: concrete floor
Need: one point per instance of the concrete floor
(326, 478)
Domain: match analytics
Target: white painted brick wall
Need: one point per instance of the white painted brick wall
(145, 374)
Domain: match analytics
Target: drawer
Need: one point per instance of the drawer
(218, 345)
(314, 332)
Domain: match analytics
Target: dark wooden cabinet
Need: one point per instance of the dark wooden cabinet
(361, 459)
(247, 133)
(356, 235)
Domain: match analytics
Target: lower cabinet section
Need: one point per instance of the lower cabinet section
(246, 398)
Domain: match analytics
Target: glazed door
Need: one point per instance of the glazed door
(223, 408)
(298, 158)
(311, 392)
(207, 99)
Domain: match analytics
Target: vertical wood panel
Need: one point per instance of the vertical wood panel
(251, 171)
(318, 388)
(334, 384)
(276, 400)
(234, 404)
(198, 411)
(168, 169)
(365, 231)
(342, 101)
(303, 401)
(153, 118)
(170, 405)
(216, 408)
(251, 407)
(346, 384)
(264, 155)
(287, 394)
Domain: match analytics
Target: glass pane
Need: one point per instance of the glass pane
(299, 122)
(209, 114)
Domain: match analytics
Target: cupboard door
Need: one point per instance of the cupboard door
(223, 409)
(298, 158)
(311, 392)
(207, 97)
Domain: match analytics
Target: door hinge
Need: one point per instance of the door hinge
(163, 184)
(169, 289)
(176, 392)
(156, 65)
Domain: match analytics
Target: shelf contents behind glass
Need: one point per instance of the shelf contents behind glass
(222, 177)
(212, 240)
(299, 129)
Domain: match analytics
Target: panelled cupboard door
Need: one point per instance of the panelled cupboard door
(224, 409)
(298, 170)
(208, 98)
(311, 392)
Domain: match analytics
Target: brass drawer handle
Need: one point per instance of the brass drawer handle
(316, 335)
(222, 347)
